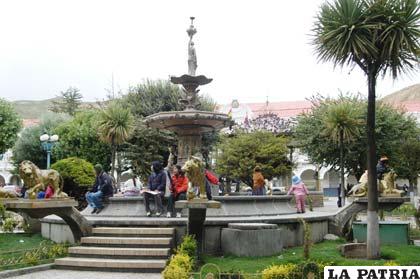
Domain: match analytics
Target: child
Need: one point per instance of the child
(300, 191)
(49, 193)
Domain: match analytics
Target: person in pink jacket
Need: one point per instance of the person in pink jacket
(300, 191)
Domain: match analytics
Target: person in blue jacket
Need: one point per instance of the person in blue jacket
(102, 188)
(157, 185)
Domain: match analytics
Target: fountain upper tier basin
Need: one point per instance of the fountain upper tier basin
(188, 121)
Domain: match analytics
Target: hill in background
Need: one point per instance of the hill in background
(29, 109)
(408, 94)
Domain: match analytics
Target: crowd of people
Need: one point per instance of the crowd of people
(171, 183)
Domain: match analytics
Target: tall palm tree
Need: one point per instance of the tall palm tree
(342, 121)
(379, 36)
(115, 127)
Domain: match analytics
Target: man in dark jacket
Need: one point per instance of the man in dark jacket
(156, 189)
(102, 188)
(382, 167)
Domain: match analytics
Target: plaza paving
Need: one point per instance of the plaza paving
(72, 274)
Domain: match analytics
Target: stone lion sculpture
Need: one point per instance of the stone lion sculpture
(386, 187)
(194, 170)
(4, 194)
(37, 180)
(360, 190)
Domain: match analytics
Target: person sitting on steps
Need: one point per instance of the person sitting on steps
(178, 190)
(157, 185)
(102, 188)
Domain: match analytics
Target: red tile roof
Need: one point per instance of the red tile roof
(293, 108)
(30, 122)
(282, 109)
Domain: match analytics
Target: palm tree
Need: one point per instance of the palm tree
(342, 121)
(115, 127)
(379, 36)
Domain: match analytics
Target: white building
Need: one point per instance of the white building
(6, 170)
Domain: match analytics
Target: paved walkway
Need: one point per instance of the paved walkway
(73, 274)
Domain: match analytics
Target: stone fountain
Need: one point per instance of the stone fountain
(189, 124)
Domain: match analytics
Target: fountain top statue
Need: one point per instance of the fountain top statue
(191, 123)
(192, 57)
(191, 82)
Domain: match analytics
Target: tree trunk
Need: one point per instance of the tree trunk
(343, 191)
(113, 151)
(373, 243)
(118, 158)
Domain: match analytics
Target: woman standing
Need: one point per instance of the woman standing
(178, 190)
(258, 187)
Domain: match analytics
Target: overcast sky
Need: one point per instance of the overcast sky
(252, 49)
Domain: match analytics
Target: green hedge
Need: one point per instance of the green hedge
(75, 171)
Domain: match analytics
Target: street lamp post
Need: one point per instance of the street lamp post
(48, 143)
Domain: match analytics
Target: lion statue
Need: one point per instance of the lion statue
(194, 170)
(37, 180)
(4, 194)
(388, 184)
(386, 187)
(360, 190)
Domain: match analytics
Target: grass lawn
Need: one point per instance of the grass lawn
(325, 252)
(15, 245)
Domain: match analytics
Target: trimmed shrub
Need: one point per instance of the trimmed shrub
(183, 261)
(175, 272)
(293, 271)
(76, 171)
(391, 263)
(278, 271)
(188, 246)
(78, 175)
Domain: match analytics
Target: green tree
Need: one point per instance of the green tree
(145, 146)
(10, 124)
(341, 121)
(28, 145)
(148, 144)
(79, 138)
(68, 101)
(239, 154)
(115, 127)
(379, 37)
(392, 126)
(408, 164)
(152, 97)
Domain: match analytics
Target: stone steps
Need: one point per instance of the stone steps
(122, 249)
(115, 252)
(127, 241)
(122, 231)
(111, 264)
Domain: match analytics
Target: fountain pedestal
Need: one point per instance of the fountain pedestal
(197, 209)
